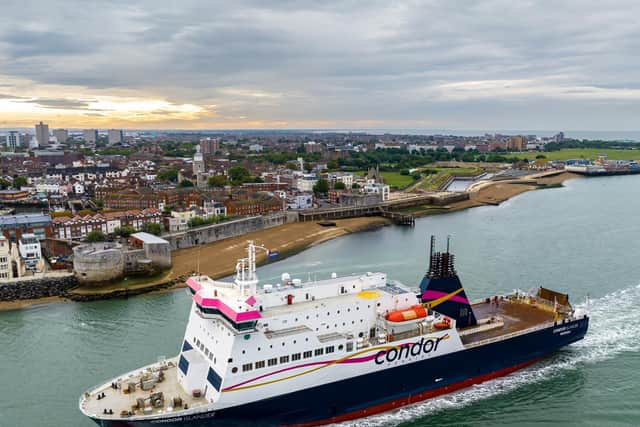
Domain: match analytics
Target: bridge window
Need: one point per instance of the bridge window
(247, 367)
(295, 356)
(260, 364)
(284, 359)
(329, 349)
(307, 354)
(319, 352)
(273, 362)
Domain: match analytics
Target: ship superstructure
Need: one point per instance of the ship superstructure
(309, 353)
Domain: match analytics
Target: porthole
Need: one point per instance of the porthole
(234, 370)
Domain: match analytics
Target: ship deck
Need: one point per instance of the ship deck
(515, 316)
(118, 401)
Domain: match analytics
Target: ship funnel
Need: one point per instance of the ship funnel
(441, 289)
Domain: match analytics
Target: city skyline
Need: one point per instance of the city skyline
(350, 65)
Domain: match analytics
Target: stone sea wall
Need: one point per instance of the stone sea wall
(213, 233)
(37, 288)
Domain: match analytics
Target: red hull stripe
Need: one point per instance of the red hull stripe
(419, 397)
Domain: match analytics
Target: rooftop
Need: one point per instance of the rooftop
(148, 238)
(7, 221)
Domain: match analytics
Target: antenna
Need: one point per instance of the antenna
(433, 245)
(198, 262)
(448, 242)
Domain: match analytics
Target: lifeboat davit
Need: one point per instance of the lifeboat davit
(415, 312)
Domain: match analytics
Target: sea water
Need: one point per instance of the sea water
(583, 239)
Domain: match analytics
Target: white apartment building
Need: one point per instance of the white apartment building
(115, 136)
(6, 272)
(376, 188)
(42, 134)
(306, 183)
(345, 178)
(90, 135)
(61, 135)
(13, 140)
(30, 251)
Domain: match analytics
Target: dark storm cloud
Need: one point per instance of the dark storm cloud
(26, 43)
(450, 63)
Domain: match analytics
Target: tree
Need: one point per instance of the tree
(339, 186)
(416, 176)
(333, 165)
(168, 175)
(95, 236)
(308, 167)
(293, 166)
(255, 179)
(217, 181)
(152, 228)
(125, 231)
(321, 187)
(185, 183)
(541, 156)
(19, 181)
(405, 172)
(4, 184)
(238, 175)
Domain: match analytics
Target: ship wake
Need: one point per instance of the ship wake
(614, 328)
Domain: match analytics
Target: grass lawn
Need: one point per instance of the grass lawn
(583, 153)
(433, 181)
(392, 179)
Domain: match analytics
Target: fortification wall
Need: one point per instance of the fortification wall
(98, 263)
(213, 233)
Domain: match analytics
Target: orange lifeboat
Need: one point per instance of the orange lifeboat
(445, 323)
(415, 312)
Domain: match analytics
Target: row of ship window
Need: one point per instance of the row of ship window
(204, 349)
(285, 359)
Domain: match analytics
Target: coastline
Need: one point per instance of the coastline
(218, 259)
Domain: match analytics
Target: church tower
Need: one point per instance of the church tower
(198, 168)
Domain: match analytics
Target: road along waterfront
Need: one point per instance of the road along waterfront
(583, 238)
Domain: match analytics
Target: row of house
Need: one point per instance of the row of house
(77, 227)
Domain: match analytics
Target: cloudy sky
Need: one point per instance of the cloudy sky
(319, 64)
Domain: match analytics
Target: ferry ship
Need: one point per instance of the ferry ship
(311, 353)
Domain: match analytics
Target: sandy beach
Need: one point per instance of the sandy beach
(218, 259)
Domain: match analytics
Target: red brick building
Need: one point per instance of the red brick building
(147, 198)
(266, 186)
(253, 204)
(14, 226)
